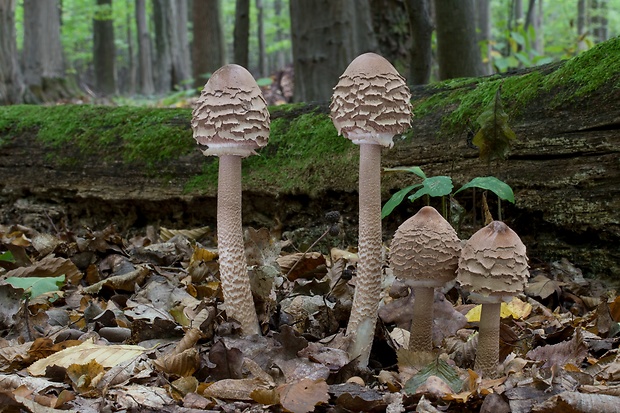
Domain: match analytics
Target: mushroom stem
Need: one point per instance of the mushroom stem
(487, 352)
(368, 280)
(233, 268)
(421, 337)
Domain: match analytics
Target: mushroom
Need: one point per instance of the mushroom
(424, 254)
(493, 268)
(232, 120)
(370, 104)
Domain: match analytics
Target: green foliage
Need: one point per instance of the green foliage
(441, 186)
(438, 368)
(35, 286)
(7, 256)
(495, 136)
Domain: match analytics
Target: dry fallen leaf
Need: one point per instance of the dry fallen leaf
(303, 396)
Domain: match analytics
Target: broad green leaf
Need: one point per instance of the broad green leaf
(396, 199)
(434, 186)
(413, 169)
(518, 37)
(437, 368)
(7, 256)
(35, 286)
(491, 183)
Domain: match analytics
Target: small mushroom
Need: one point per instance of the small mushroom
(232, 120)
(493, 268)
(370, 104)
(424, 254)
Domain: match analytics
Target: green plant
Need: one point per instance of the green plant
(35, 286)
(441, 186)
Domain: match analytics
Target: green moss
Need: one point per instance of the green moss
(144, 135)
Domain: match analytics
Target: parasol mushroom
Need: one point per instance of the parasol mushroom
(370, 104)
(493, 268)
(424, 254)
(232, 120)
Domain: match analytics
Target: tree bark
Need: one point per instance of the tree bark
(208, 50)
(458, 53)
(241, 35)
(12, 87)
(319, 64)
(483, 23)
(421, 28)
(42, 56)
(260, 34)
(563, 168)
(104, 50)
(145, 63)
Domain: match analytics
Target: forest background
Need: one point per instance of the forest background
(163, 51)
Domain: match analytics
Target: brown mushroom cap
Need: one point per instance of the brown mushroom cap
(371, 102)
(231, 115)
(425, 250)
(493, 264)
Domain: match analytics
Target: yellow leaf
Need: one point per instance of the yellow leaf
(516, 308)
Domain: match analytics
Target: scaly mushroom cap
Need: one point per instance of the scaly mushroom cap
(371, 102)
(493, 264)
(425, 250)
(231, 115)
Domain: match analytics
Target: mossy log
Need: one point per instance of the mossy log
(138, 166)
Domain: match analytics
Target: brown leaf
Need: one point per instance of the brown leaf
(304, 395)
(574, 402)
(543, 287)
(573, 351)
(228, 362)
(85, 377)
(125, 282)
(303, 265)
(179, 364)
(261, 247)
(49, 266)
(614, 309)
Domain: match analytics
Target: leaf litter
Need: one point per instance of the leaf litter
(101, 322)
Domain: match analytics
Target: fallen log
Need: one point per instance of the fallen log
(93, 165)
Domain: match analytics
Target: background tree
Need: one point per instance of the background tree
(42, 54)
(11, 84)
(145, 65)
(421, 27)
(327, 35)
(208, 49)
(242, 33)
(483, 26)
(458, 53)
(104, 51)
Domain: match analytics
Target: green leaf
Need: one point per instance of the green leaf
(495, 136)
(35, 286)
(437, 368)
(396, 200)
(264, 81)
(491, 183)
(434, 186)
(7, 256)
(413, 169)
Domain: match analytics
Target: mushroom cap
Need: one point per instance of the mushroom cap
(231, 115)
(425, 250)
(371, 102)
(493, 264)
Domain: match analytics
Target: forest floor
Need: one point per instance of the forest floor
(101, 321)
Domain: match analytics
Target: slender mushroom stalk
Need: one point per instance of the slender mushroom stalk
(424, 254)
(493, 267)
(370, 104)
(231, 118)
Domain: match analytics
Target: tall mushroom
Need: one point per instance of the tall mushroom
(370, 104)
(424, 253)
(232, 120)
(493, 267)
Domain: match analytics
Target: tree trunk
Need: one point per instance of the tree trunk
(87, 165)
(319, 64)
(260, 34)
(104, 50)
(42, 57)
(208, 50)
(281, 55)
(458, 53)
(390, 23)
(242, 33)
(181, 62)
(599, 20)
(12, 87)
(163, 19)
(421, 28)
(145, 63)
(483, 24)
